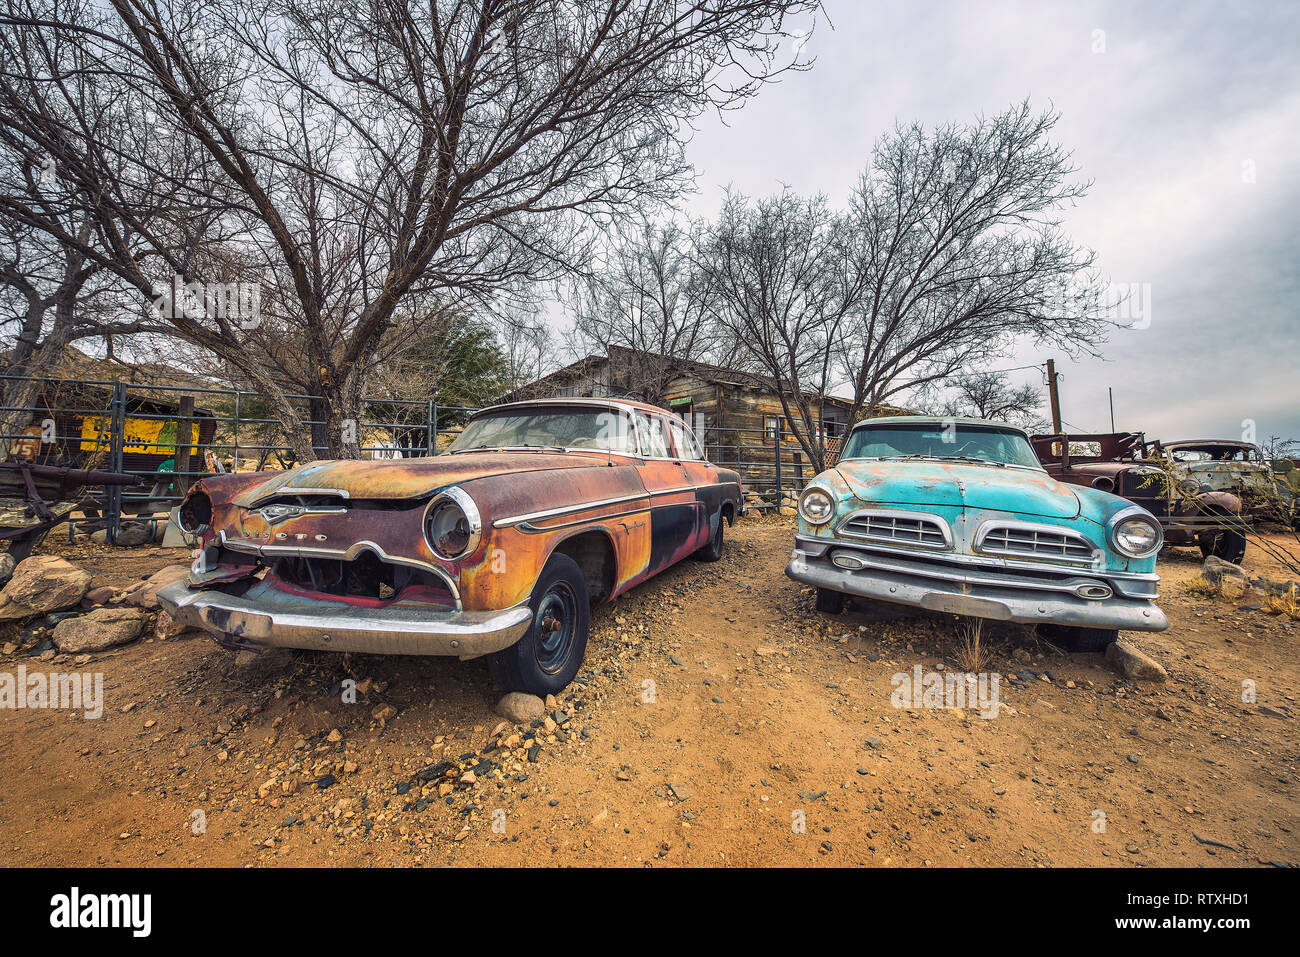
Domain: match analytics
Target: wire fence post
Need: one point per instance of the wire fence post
(776, 447)
(431, 429)
(116, 453)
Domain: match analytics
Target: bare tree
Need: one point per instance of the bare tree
(355, 158)
(958, 236)
(783, 290)
(528, 346)
(950, 252)
(990, 395)
(646, 297)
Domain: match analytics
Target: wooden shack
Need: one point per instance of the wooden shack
(737, 415)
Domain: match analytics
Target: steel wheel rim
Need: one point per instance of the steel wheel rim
(555, 624)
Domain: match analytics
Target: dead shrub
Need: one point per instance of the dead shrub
(1284, 604)
(973, 654)
(1227, 589)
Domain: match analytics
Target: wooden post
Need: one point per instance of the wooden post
(181, 463)
(1054, 397)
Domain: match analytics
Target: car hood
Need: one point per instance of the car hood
(1028, 492)
(409, 478)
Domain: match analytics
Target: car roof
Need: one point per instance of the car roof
(625, 404)
(940, 419)
(1233, 443)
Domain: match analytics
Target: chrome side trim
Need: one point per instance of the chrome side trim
(532, 529)
(563, 510)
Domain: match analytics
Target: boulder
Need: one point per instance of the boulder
(1133, 664)
(41, 584)
(145, 594)
(167, 628)
(130, 535)
(520, 708)
(99, 629)
(6, 567)
(98, 596)
(1215, 570)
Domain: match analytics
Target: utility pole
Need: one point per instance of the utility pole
(1111, 393)
(1053, 396)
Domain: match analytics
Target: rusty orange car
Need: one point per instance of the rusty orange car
(495, 547)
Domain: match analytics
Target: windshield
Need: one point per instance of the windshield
(559, 427)
(938, 440)
(1215, 453)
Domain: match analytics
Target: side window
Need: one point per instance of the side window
(684, 441)
(654, 443)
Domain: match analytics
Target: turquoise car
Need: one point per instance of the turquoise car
(957, 516)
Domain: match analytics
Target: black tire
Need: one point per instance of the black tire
(1079, 639)
(830, 602)
(713, 550)
(1224, 543)
(550, 653)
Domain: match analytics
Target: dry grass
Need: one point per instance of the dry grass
(1284, 604)
(1227, 589)
(973, 654)
(1201, 587)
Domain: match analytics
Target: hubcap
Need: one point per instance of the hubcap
(554, 622)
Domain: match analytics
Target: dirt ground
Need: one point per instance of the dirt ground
(717, 712)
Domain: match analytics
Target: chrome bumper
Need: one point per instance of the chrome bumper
(265, 615)
(975, 595)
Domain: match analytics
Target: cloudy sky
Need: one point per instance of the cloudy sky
(1187, 117)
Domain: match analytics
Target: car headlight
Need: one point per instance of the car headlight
(1136, 533)
(195, 513)
(816, 506)
(452, 525)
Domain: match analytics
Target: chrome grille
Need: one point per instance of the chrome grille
(1017, 541)
(893, 528)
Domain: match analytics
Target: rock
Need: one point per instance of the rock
(6, 567)
(1271, 712)
(145, 595)
(1211, 842)
(1215, 570)
(1276, 589)
(41, 584)
(680, 791)
(384, 713)
(99, 629)
(434, 771)
(97, 596)
(129, 535)
(167, 628)
(334, 737)
(1134, 664)
(521, 708)
(875, 744)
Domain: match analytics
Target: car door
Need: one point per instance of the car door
(674, 513)
(703, 477)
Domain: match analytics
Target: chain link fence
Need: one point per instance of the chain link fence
(170, 436)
